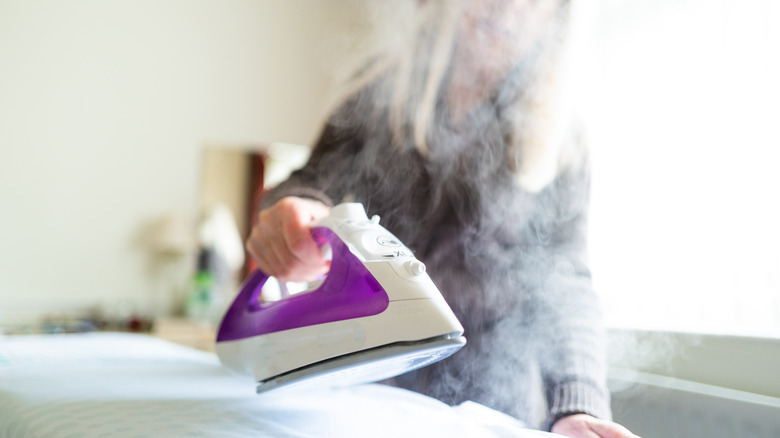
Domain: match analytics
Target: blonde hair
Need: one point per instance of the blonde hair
(416, 66)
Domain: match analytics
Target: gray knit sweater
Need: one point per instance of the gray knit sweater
(512, 264)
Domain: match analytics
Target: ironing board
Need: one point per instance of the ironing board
(128, 385)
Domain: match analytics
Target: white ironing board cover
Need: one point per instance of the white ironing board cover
(133, 386)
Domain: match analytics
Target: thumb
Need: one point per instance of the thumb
(606, 429)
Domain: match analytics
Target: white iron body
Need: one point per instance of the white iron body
(416, 311)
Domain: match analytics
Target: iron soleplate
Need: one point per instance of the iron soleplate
(366, 366)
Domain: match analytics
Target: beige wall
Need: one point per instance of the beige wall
(105, 108)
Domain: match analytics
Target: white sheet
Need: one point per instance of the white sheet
(133, 386)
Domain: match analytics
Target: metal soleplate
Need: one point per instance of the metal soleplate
(366, 366)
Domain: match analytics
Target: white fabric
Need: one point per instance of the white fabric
(122, 385)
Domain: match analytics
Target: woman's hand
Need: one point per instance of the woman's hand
(586, 426)
(280, 241)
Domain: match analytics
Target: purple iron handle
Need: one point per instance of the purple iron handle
(349, 291)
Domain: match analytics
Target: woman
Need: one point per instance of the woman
(456, 140)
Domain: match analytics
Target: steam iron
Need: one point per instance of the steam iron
(376, 315)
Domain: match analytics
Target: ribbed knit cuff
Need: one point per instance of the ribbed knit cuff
(302, 192)
(577, 398)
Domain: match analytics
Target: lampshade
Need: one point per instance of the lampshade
(173, 234)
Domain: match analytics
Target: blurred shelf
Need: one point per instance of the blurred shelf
(186, 332)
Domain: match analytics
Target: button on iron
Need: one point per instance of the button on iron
(415, 267)
(387, 240)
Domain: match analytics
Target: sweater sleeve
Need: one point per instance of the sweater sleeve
(324, 177)
(573, 357)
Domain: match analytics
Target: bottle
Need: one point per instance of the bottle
(201, 295)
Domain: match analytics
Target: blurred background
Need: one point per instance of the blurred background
(135, 137)
(124, 124)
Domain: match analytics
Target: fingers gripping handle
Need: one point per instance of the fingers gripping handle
(253, 286)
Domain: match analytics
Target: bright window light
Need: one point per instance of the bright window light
(681, 101)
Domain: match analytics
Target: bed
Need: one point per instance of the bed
(131, 385)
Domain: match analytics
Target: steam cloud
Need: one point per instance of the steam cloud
(501, 231)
